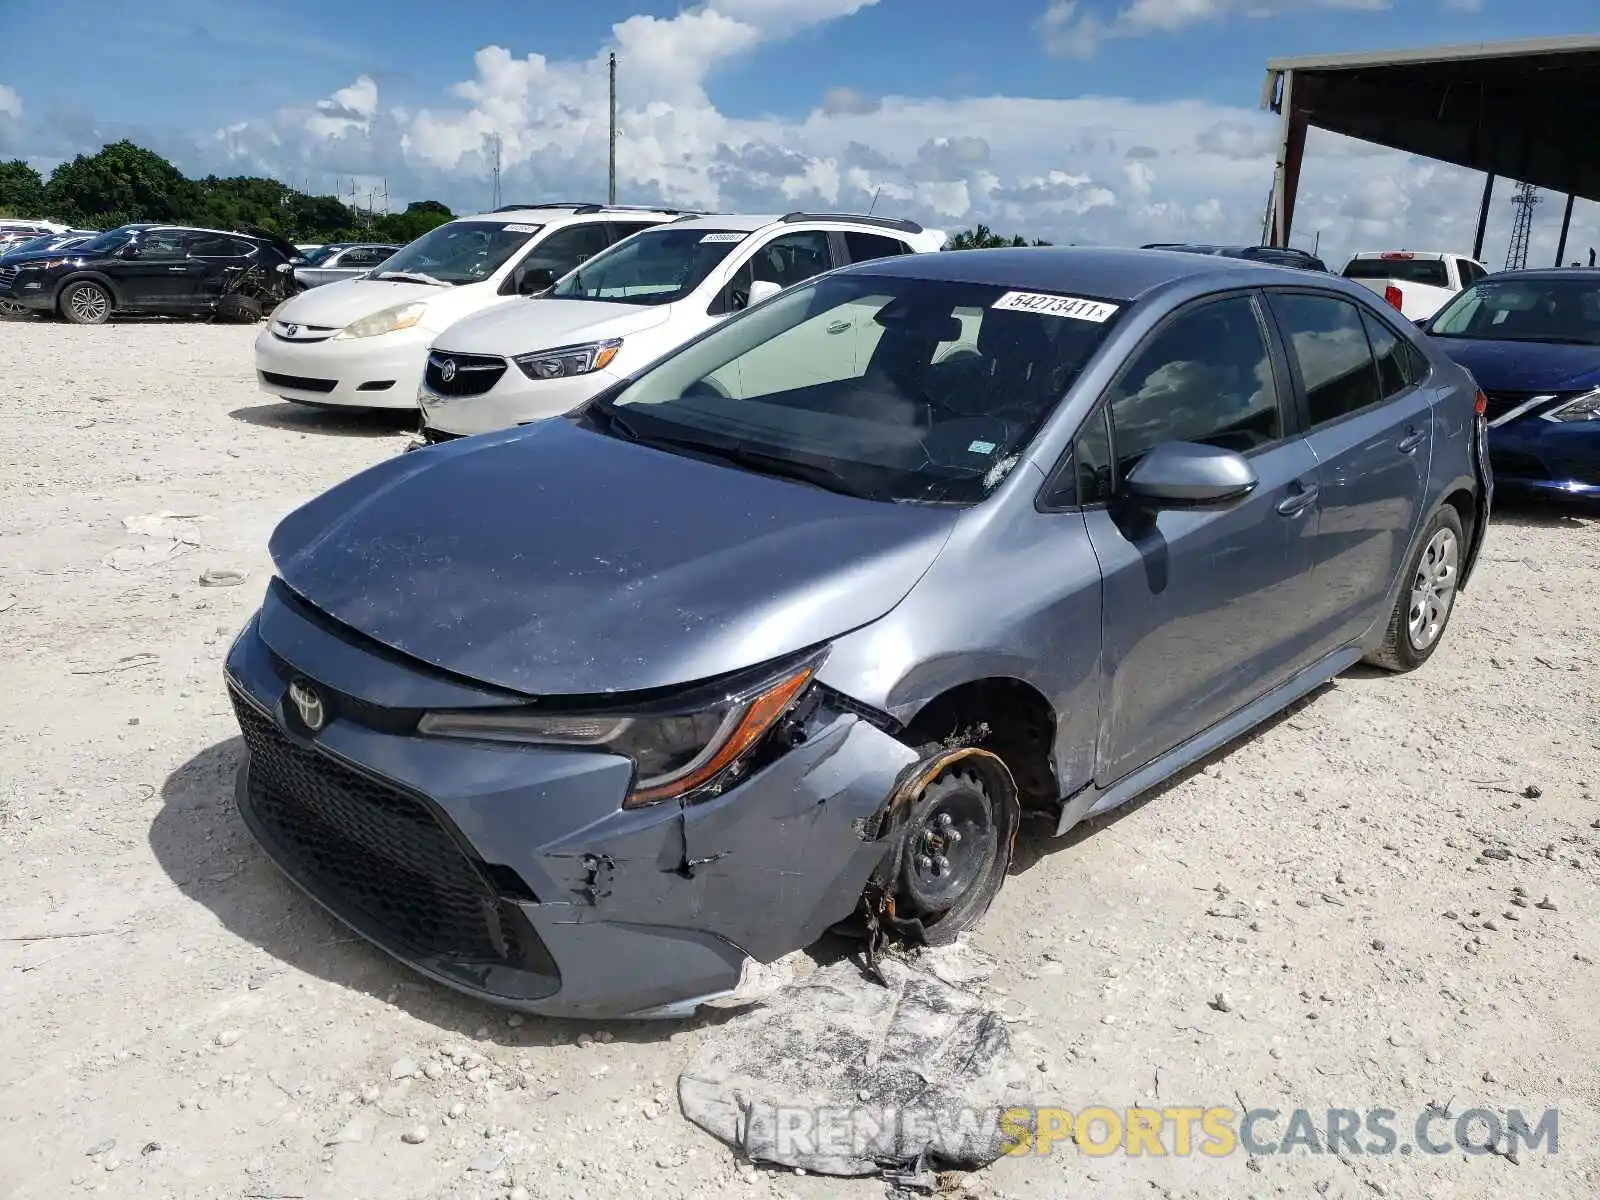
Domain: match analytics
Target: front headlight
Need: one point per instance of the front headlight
(673, 752)
(390, 320)
(1581, 408)
(566, 361)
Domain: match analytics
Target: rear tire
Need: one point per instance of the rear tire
(1427, 596)
(239, 310)
(86, 303)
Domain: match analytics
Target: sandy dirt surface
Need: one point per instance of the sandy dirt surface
(1387, 899)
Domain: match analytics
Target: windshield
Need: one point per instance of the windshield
(657, 266)
(461, 251)
(1429, 272)
(107, 242)
(320, 254)
(1525, 310)
(899, 389)
(38, 243)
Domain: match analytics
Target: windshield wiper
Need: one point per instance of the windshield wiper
(728, 450)
(411, 277)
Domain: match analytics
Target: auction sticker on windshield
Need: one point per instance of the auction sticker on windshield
(520, 228)
(723, 237)
(1074, 307)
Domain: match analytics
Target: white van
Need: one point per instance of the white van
(629, 306)
(362, 342)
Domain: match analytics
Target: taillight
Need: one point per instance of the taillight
(1392, 295)
(1481, 405)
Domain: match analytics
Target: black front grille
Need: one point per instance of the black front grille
(300, 383)
(372, 848)
(450, 374)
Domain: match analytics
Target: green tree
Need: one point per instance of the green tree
(122, 178)
(419, 217)
(984, 238)
(124, 183)
(21, 189)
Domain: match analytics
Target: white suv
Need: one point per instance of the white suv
(362, 342)
(528, 359)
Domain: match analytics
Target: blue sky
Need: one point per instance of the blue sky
(1020, 112)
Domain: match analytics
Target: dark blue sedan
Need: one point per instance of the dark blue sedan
(1532, 340)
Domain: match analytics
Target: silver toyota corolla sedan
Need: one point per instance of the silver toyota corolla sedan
(789, 629)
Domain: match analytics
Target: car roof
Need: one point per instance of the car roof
(1112, 273)
(1544, 274)
(561, 212)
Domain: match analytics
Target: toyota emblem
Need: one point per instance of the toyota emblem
(447, 370)
(291, 330)
(308, 704)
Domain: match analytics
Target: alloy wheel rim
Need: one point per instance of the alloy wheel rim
(1433, 589)
(89, 303)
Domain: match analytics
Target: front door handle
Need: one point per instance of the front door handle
(1411, 441)
(839, 327)
(1296, 503)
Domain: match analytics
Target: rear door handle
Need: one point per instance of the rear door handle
(1296, 503)
(839, 327)
(1411, 441)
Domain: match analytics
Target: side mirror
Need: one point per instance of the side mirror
(1424, 324)
(762, 289)
(1189, 475)
(535, 280)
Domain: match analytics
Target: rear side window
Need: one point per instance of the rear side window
(864, 246)
(1329, 342)
(1427, 271)
(1388, 351)
(1207, 377)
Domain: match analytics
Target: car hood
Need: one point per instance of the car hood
(337, 304)
(18, 259)
(1504, 366)
(519, 325)
(552, 560)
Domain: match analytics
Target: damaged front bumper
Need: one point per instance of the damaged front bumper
(512, 873)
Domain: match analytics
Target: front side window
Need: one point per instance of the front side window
(656, 266)
(841, 381)
(164, 245)
(1329, 342)
(460, 252)
(786, 260)
(1206, 377)
(864, 246)
(1525, 310)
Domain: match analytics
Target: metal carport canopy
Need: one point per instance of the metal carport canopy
(1526, 110)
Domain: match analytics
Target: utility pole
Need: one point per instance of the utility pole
(496, 172)
(611, 187)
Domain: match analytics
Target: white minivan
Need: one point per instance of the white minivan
(527, 359)
(362, 342)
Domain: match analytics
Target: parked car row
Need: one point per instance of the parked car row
(782, 625)
(574, 297)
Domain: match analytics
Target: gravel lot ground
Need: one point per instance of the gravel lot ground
(1329, 915)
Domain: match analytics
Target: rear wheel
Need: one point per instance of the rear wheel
(86, 303)
(1427, 596)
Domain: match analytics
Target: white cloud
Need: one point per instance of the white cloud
(10, 103)
(1098, 170)
(1071, 29)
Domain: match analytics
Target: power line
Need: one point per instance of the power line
(496, 171)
